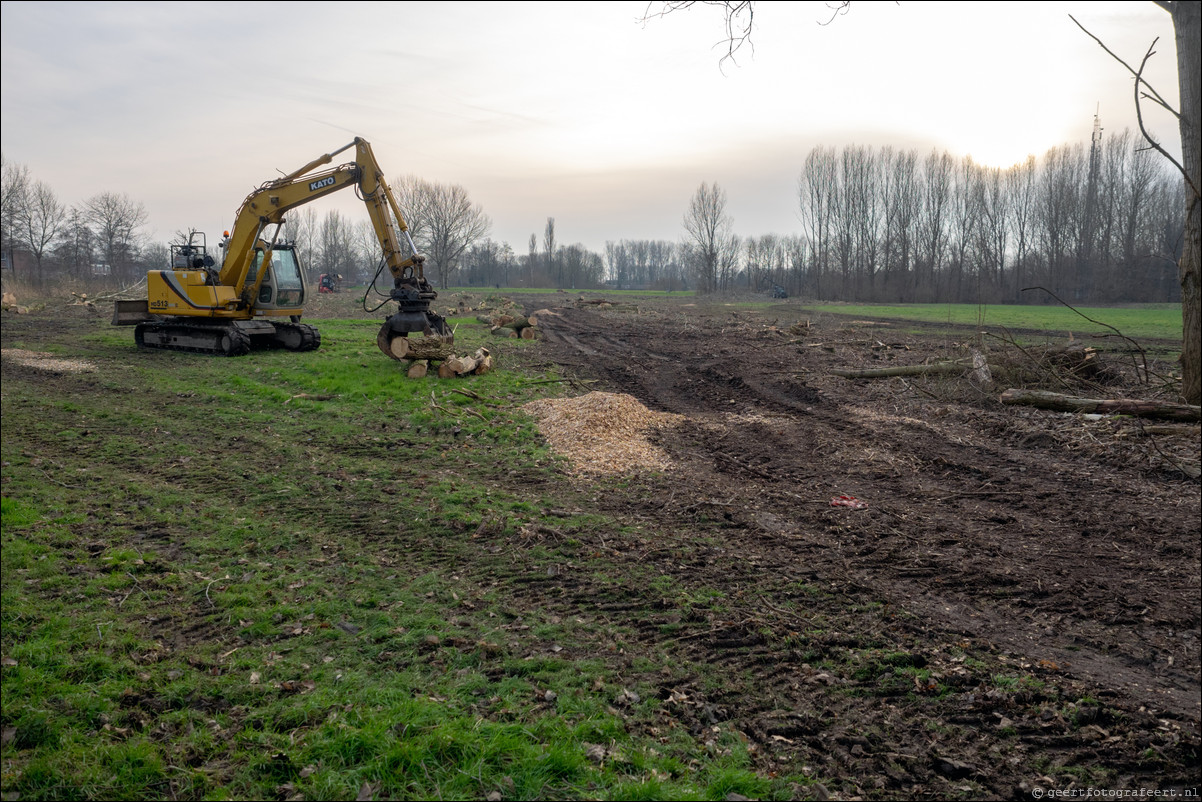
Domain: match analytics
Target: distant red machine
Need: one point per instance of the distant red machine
(328, 282)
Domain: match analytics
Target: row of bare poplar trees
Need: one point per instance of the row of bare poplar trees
(1099, 223)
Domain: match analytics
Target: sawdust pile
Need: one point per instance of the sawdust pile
(602, 433)
(47, 362)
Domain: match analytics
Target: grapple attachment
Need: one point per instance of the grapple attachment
(413, 316)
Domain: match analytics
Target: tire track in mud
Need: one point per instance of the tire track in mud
(1040, 553)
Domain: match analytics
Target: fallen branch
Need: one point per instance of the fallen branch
(1119, 406)
(1133, 343)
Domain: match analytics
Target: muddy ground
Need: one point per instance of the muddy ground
(1015, 608)
(1065, 548)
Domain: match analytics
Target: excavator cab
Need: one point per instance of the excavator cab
(283, 284)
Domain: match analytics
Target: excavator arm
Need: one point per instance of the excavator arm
(268, 205)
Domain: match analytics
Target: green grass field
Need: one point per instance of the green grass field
(288, 575)
(1152, 321)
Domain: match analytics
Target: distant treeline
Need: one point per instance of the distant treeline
(1097, 223)
(1100, 223)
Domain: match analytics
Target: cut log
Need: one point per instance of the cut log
(433, 348)
(483, 361)
(445, 371)
(1172, 431)
(530, 333)
(541, 314)
(418, 368)
(900, 370)
(462, 365)
(501, 331)
(1112, 406)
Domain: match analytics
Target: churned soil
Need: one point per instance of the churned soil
(929, 593)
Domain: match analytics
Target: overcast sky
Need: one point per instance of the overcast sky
(577, 111)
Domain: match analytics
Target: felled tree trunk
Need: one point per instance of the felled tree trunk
(1118, 406)
(433, 348)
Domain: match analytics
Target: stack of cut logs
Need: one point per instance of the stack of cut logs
(419, 352)
(525, 327)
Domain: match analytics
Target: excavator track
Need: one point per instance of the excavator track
(296, 337)
(236, 338)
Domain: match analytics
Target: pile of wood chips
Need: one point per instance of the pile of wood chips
(602, 433)
(47, 362)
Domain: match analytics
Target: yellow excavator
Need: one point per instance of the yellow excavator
(255, 295)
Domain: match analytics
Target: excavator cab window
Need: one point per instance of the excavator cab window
(289, 286)
(253, 275)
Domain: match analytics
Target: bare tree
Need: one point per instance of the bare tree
(115, 220)
(41, 222)
(817, 189)
(549, 251)
(487, 263)
(531, 259)
(302, 228)
(581, 267)
(991, 234)
(442, 221)
(415, 197)
(932, 223)
(965, 217)
(861, 185)
(615, 262)
(77, 246)
(12, 206)
(1061, 181)
(901, 215)
(335, 246)
(453, 224)
(711, 243)
(1020, 186)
